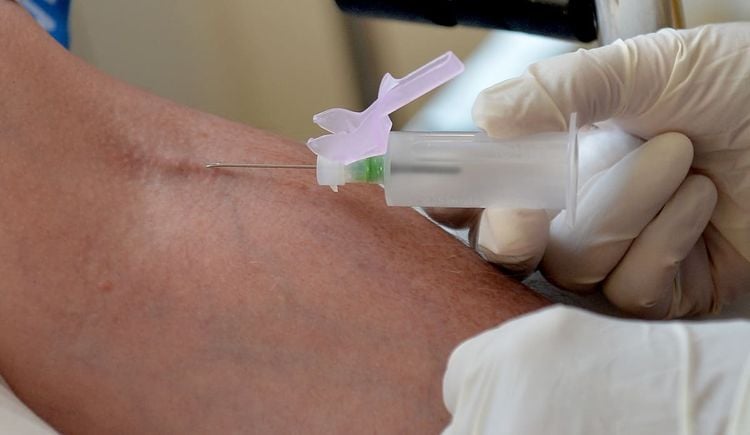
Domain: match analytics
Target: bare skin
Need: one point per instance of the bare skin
(143, 293)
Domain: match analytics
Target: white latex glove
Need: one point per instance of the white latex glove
(650, 261)
(565, 371)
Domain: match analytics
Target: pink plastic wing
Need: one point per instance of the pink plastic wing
(358, 135)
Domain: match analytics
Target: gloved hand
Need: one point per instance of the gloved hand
(565, 371)
(642, 231)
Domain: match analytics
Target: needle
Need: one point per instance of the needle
(257, 166)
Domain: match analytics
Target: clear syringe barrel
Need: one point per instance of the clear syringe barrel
(469, 170)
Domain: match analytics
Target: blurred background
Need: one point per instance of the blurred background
(273, 64)
(269, 64)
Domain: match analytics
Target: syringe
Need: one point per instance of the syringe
(464, 170)
(441, 169)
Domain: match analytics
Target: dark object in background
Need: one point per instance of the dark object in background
(567, 19)
(582, 20)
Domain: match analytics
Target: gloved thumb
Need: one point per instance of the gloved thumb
(514, 239)
(621, 79)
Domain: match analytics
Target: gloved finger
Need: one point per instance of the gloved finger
(514, 239)
(453, 217)
(600, 147)
(623, 79)
(666, 272)
(729, 269)
(694, 289)
(613, 208)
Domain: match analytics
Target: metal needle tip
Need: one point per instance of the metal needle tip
(257, 166)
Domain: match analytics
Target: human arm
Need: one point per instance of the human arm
(145, 294)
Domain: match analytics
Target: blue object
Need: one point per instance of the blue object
(52, 15)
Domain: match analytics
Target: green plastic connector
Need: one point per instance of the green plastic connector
(369, 170)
